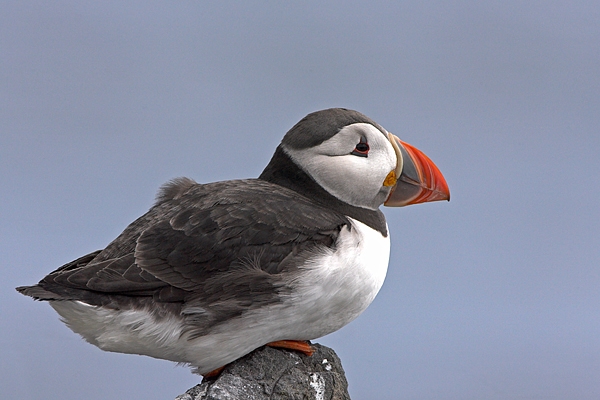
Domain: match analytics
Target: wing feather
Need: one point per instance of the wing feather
(226, 245)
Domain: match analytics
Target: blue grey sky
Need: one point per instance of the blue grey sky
(495, 295)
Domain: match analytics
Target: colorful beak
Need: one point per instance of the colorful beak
(419, 180)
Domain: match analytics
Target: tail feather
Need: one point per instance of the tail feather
(39, 293)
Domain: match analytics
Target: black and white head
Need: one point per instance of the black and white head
(357, 161)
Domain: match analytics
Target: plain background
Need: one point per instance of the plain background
(494, 295)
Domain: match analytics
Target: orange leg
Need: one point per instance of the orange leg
(298, 345)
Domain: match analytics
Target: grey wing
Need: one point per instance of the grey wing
(236, 255)
(112, 283)
(224, 247)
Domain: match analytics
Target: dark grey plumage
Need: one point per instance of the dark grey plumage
(205, 239)
(319, 126)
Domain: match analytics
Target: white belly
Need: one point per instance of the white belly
(332, 289)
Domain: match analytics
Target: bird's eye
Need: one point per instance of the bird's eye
(361, 149)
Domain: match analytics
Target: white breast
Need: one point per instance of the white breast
(339, 285)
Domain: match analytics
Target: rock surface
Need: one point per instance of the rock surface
(277, 374)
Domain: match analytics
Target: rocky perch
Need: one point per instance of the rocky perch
(277, 374)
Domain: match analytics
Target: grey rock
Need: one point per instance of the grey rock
(277, 374)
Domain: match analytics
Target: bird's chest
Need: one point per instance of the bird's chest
(339, 284)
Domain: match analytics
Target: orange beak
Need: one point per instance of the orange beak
(419, 179)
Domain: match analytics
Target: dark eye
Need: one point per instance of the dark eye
(361, 149)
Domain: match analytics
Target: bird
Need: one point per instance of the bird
(214, 271)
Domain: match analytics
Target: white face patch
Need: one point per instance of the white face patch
(353, 179)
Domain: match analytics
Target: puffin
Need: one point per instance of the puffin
(214, 271)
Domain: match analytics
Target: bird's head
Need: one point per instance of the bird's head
(357, 161)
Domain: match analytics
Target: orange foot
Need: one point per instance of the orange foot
(298, 345)
(214, 373)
